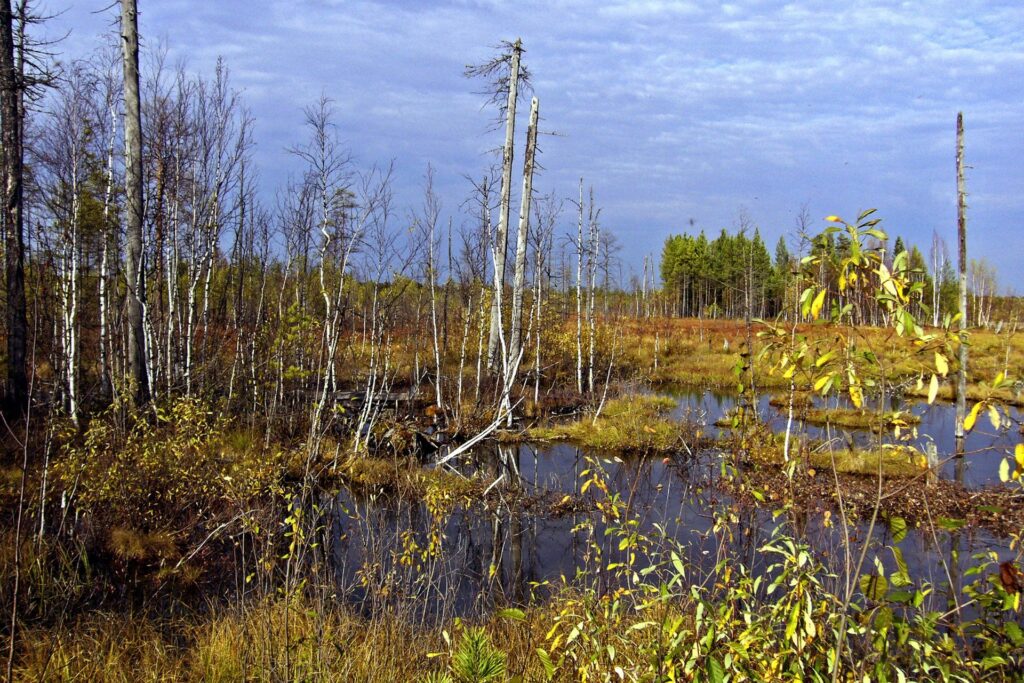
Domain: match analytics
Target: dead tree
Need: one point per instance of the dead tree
(961, 222)
(519, 274)
(505, 75)
(135, 272)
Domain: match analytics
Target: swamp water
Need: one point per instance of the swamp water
(467, 559)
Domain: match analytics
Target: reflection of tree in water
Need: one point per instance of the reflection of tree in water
(501, 549)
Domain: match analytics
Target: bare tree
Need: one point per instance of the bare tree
(504, 76)
(519, 275)
(135, 272)
(961, 220)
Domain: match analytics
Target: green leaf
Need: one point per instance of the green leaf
(874, 586)
(512, 613)
(898, 527)
(545, 661)
(677, 564)
(716, 673)
(950, 524)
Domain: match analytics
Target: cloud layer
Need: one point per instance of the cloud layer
(672, 110)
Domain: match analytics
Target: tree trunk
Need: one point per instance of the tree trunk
(519, 277)
(501, 241)
(135, 272)
(14, 256)
(961, 221)
(579, 297)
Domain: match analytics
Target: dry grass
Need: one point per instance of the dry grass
(266, 642)
(703, 353)
(405, 476)
(852, 418)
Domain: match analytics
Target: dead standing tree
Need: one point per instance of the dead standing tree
(519, 274)
(506, 80)
(135, 271)
(961, 221)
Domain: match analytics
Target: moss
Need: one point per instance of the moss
(801, 399)
(896, 460)
(851, 418)
(762, 447)
(406, 477)
(629, 424)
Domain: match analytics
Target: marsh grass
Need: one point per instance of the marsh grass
(852, 418)
(757, 445)
(631, 424)
(405, 476)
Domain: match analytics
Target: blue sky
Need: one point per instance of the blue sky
(672, 110)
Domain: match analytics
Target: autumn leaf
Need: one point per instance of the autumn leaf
(972, 417)
(993, 417)
(819, 301)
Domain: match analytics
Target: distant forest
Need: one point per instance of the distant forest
(716, 278)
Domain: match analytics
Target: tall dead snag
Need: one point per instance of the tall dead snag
(505, 75)
(961, 226)
(579, 295)
(134, 271)
(519, 276)
(13, 223)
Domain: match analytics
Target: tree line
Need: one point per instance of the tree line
(724, 276)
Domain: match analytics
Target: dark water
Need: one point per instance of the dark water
(984, 447)
(519, 547)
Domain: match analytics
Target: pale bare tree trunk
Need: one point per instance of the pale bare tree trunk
(594, 250)
(134, 269)
(961, 220)
(433, 313)
(462, 359)
(501, 248)
(106, 386)
(519, 276)
(579, 296)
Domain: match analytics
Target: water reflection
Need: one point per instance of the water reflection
(433, 560)
(983, 448)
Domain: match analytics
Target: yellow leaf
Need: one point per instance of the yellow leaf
(993, 417)
(1018, 455)
(819, 301)
(933, 389)
(833, 219)
(972, 416)
(856, 396)
(822, 381)
(941, 364)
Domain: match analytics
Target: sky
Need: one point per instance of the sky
(672, 111)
